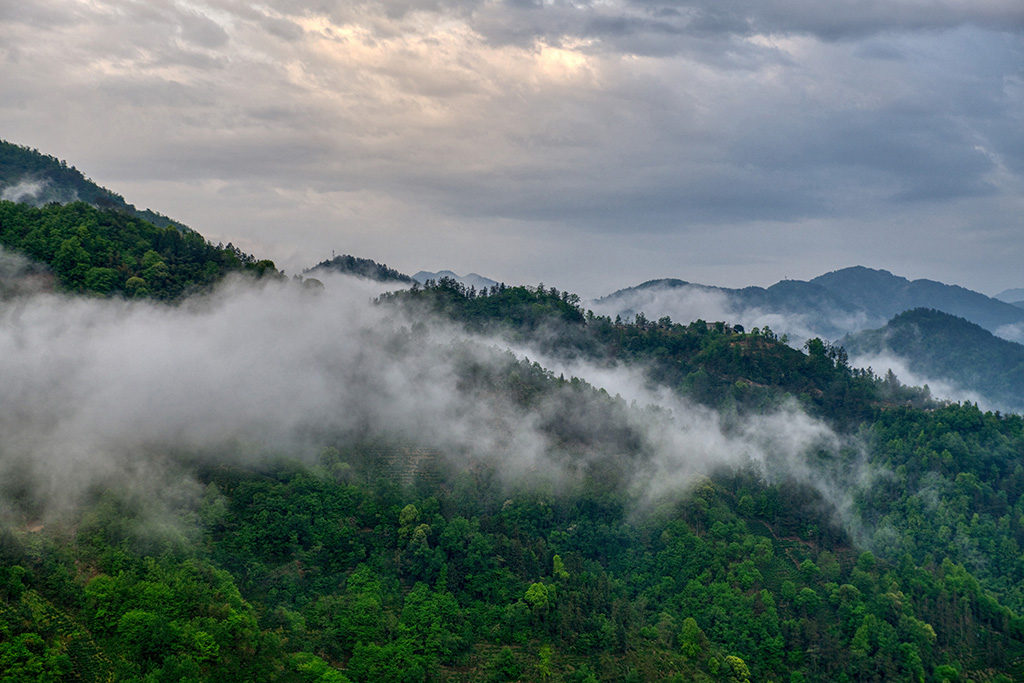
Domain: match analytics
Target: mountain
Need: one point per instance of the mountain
(271, 485)
(112, 253)
(885, 294)
(360, 267)
(470, 280)
(1012, 296)
(94, 242)
(801, 309)
(449, 512)
(30, 177)
(830, 306)
(939, 345)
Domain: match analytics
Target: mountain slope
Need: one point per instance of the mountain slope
(940, 345)
(885, 294)
(713, 364)
(830, 306)
(113, 253)
(95, 242)
(28, 176)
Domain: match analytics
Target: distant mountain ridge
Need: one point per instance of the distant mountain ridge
(1012, 296)
(787, 297)
(885, 294)
(831, 305)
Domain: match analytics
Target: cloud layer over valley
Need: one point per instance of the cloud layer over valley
(104, 391)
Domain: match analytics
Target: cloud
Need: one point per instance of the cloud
(844, 20)
(23, 191)
(686, 441)
(200, 30)
(37, 191)
(683, 304)
(20, 277)
(103, 392)
(1014, 333)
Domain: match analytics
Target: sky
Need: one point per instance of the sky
(589, 145)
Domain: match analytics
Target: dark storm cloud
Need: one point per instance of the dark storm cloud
(649, 26)
(905, 155)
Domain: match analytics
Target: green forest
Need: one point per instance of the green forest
(111, 252)
(387, 559)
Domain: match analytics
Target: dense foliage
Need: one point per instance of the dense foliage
(388, 562)
(112, 252)
(363, 569)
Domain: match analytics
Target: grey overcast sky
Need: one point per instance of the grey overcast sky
(590, 145)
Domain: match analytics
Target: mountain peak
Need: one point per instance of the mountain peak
(361, 267)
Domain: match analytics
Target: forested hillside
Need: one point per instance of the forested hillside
(342, 572)
(28, 176)
(360, 267)
(113, 252)
(936, 344)
(712, 363)
(446, 484)
(360, 569)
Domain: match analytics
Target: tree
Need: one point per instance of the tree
(736, 670)
(537, 596)
(558, 568)
(692, 641)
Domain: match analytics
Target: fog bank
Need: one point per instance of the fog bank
(103, 391)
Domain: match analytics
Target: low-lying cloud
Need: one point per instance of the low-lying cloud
(25, 191)
(941, 388)
(100, 391)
